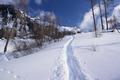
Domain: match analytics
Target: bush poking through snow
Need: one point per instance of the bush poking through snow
(94, 48)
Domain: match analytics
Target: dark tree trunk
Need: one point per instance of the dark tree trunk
(105, 6)
(101, 16)
(8, 38)
(5, 48)
(95, 29)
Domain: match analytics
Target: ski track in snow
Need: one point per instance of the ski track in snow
(67, 67)
(73, 65)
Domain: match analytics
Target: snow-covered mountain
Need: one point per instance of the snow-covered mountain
(68, 28)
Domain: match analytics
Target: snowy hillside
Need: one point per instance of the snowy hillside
(99, 57)
(79, 57)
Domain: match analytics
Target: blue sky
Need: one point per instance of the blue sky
(68, 12)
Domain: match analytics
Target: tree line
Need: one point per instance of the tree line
(16, 23)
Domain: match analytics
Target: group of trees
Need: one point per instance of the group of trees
(16, 23)
(9, 19)
(44, 30)
(104, 13)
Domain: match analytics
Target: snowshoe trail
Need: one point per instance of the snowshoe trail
(67, 67)
(72, 63)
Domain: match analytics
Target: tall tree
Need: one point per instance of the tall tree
(9, 29)
(101, 16)
(105, 7)
(106, 3)
(93, 13)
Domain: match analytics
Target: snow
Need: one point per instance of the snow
(67, 67)
(99, 56)
(33, 67)
(66, 28)
(2, 45)
(69, 28)
(75, 72)
(79, 57)
(76, 57)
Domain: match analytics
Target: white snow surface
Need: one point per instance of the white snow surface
(33, 67)
(79, 57)
(99, 56)
(2, 45)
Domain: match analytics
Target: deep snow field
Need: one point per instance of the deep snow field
(78, 57)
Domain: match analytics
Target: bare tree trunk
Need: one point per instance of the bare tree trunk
(8, 39)
(5, 48)
(101, 16)
(105, 6)
(9, 35)
(95, 29)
